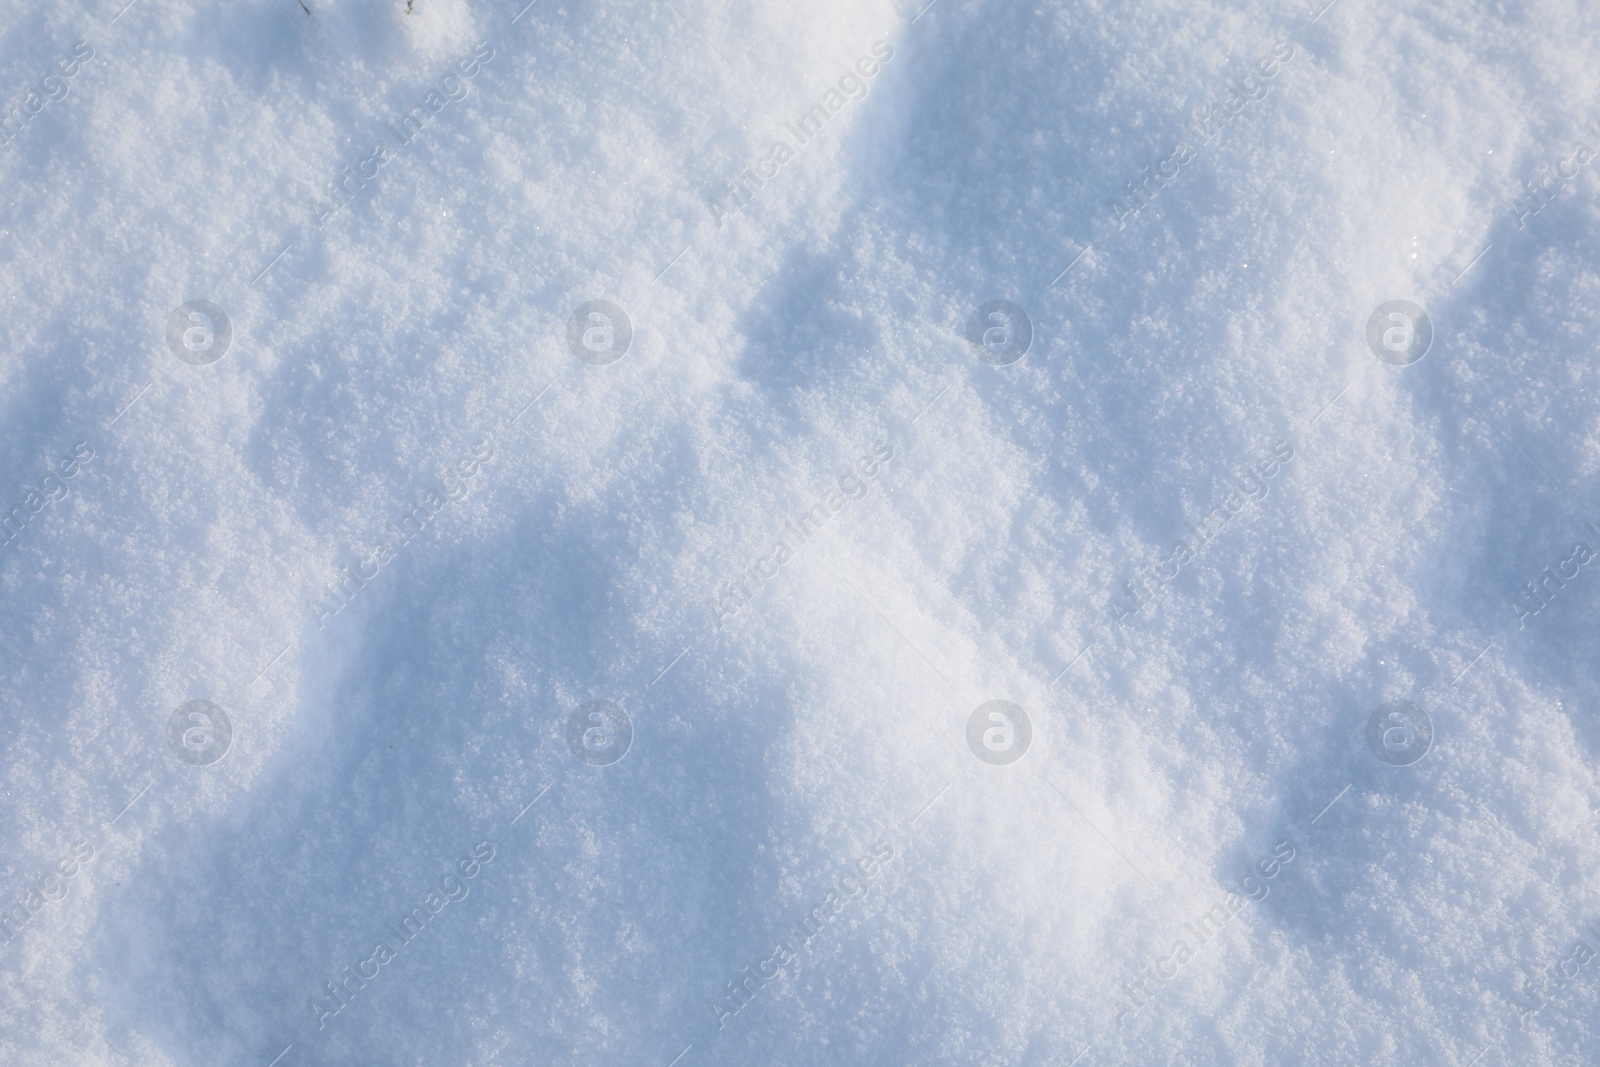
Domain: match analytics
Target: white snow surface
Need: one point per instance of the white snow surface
(1442, 912)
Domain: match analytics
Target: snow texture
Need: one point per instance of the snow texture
(516, 514)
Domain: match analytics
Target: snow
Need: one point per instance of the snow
(321, 608)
